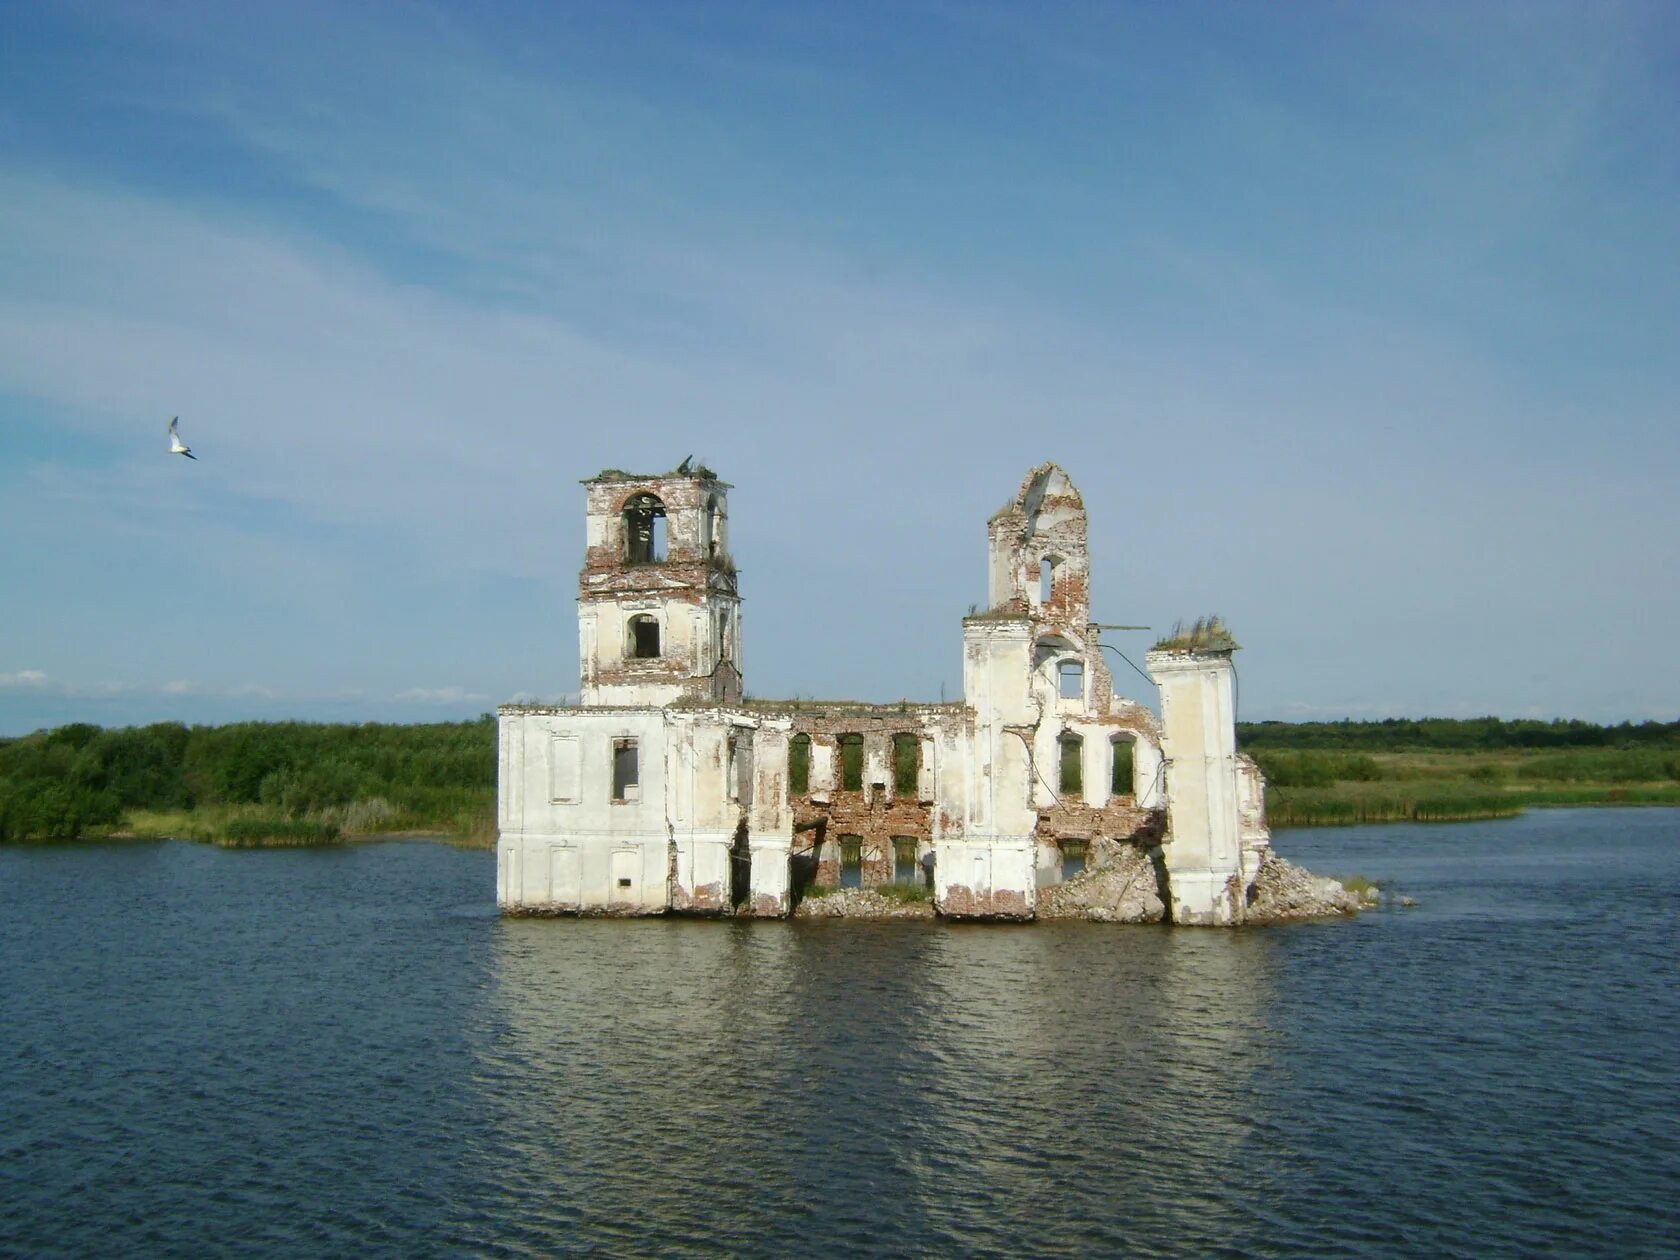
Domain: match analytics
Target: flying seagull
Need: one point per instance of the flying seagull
(176, 446)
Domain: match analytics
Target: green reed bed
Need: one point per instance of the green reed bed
(1315, 787)
(1300, 807)
(269, 833)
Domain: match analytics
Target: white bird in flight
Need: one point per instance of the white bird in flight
(176, 446)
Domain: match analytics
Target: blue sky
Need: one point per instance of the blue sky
(1357, 324)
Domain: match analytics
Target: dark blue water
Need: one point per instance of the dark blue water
(307, 1052)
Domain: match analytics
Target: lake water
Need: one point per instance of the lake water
(346, 1051)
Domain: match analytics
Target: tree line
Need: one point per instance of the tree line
(73, 779)
(1423, 734)
(80, 778)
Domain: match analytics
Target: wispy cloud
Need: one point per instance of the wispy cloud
(1299, 344)
(441, 695)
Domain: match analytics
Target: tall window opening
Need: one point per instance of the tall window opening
(907, 763)
(1070, 680)
(627, 771)
(1046, 580)
(1072, 776)
(907, 866)
(644, 637)
(1120, 783)
(714, 544)
(1073, 857)
(799, 765)
(741, 767)
(644, 529)
(851, 763)
(851, 861)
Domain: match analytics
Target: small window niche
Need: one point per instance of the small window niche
(1073, 857)
(1070, 680)
(1071, 750)
(644, 637)
(626, 771)
(851, 861)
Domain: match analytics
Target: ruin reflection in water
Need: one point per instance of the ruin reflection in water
(917, 1086)
(347, 1052)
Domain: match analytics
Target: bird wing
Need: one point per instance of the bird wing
(173, 421)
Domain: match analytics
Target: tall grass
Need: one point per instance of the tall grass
(1300, 807)
(256, 832)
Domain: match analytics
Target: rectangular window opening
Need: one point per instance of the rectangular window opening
(799, 765)
(851, 861)
(907, 762)
(1072, 749)
(1071, 676)
(851, 763)
(626, 772)
(1121, 784)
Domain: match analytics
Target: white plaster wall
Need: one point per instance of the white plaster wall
(564, 843)
(1203, 848)
(770, 820)
(824, 771)
(877, 767)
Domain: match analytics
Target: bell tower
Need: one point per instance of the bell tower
(659, 615)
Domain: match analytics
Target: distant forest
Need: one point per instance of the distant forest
(1447, 734)
(314, 780)
(78, 778)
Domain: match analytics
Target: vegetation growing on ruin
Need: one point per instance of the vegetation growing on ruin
(905, 893)
(1205, 634)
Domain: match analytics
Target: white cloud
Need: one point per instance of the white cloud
(24, 678)
(441, 695)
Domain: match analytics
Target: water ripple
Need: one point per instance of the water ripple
(300, 1052)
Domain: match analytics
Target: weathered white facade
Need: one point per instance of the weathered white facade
(665, 791)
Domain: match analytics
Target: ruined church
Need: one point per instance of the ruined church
(667, 790)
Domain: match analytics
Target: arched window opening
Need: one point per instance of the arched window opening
(644, 529)
(714, 543)
(851, 861)
(907, 865)
(1121, 782)
(644, 637)
(907, 763)
(1073, 857)
(1070, 680)
(1072, 774)
(799, 765)
(851, 763)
